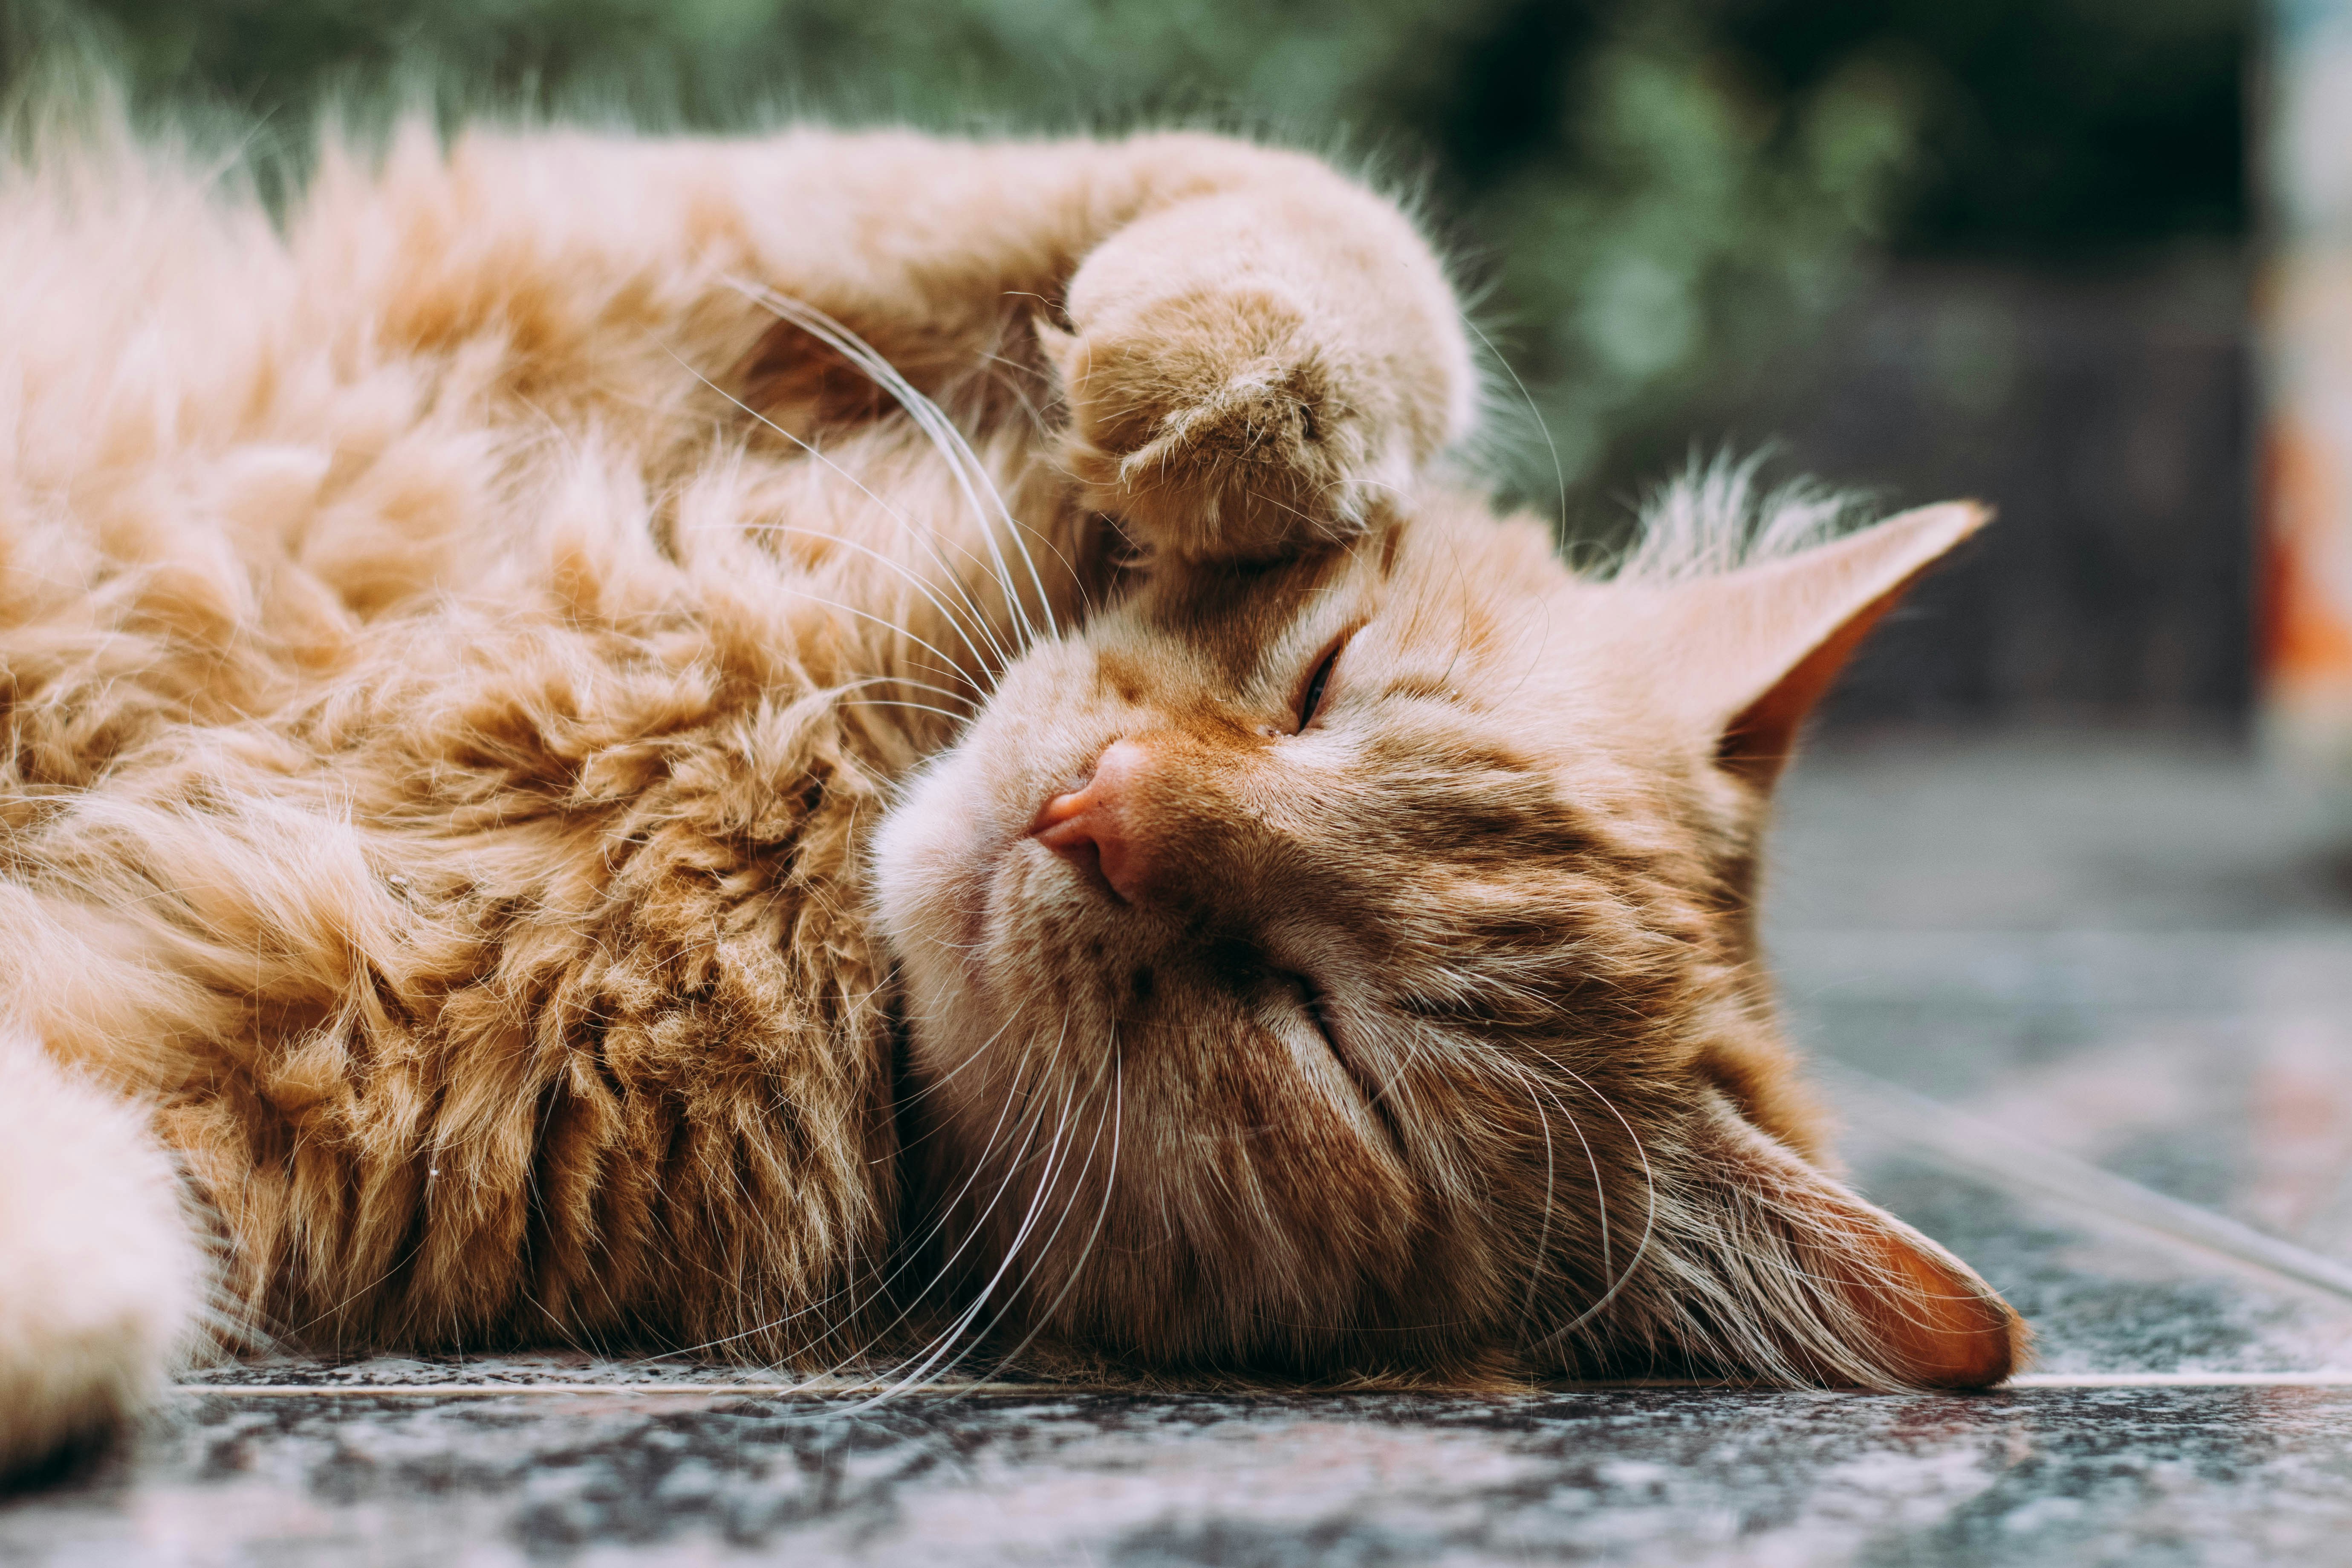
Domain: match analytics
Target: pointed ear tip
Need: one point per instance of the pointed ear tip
(1981, 1354)
(1946, 1326)
(1949, 522)
(2018, 1354)
(1968, 1337)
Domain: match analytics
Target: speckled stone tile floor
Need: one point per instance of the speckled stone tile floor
(2087, 1004)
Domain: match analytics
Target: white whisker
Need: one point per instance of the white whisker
(946, 1338)
(1086, 1250)
(921, 587)
(1558, 473)
(970, 474)
(1543, 1236)
(1002, 657)
(1648, 1227)
(916, 707)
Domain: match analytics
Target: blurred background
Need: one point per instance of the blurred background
(1995, 249)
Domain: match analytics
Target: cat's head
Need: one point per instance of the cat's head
(1348, 963)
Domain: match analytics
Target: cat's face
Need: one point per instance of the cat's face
(1343, 963)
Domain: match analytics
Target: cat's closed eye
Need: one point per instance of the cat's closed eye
(1315, 1004)
(1312, 698)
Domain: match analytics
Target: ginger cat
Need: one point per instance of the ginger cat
(832, 748)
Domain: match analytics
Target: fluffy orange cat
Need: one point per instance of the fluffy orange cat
(832, 748)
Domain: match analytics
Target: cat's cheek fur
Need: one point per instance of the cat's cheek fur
(103, 1282)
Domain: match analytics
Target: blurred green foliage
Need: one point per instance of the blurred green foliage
(1652, 198)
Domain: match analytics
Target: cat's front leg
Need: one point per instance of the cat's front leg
(102, 1280)
(1251, 370)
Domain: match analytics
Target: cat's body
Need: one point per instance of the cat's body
(461, 652)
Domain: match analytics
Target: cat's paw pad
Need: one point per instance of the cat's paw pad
(1223, 426)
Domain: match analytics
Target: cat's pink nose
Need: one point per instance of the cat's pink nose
(1092, 827)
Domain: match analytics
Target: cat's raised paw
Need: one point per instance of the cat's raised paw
(1224, 426)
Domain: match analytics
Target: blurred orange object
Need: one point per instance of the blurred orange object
(2305, 306)
(2305, 616)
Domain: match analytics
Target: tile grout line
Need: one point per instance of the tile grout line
(2200, 937)
(2026, 1383)
(486, 1390)
(2181, 1380)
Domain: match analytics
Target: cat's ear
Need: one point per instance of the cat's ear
(1788, 1270)
(1747, 655)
